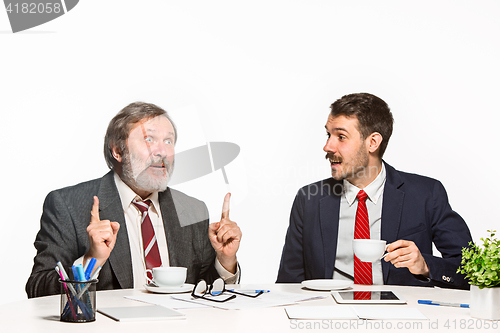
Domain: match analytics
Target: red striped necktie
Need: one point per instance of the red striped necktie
(151, 250)
(362, 270)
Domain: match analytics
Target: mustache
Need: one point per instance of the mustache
(333, 158)
(158, 161)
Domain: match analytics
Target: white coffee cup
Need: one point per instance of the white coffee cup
(369, 250)
(167, 276)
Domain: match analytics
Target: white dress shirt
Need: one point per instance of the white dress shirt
(344, 261)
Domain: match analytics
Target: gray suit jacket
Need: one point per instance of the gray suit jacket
(63, 236)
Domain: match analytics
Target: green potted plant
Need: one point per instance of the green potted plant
(481, 266)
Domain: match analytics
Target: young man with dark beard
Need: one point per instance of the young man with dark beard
(409, 211)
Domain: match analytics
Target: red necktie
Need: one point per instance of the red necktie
(151, 251)
(362, 270)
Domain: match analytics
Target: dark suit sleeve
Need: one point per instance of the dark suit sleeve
(292, 268)
(449, 234)
(56, 241)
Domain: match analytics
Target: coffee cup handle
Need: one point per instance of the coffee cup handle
(385, 250)
(146, 275)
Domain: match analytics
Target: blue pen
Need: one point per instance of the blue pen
(90, 268)
(75, 276)
(81, 273)
(458, 305)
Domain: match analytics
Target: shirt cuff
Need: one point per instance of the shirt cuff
(227, 276)
(78, 261)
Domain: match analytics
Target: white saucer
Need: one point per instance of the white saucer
(169, 290)
(327, 284)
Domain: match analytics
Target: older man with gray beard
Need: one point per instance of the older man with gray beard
(103, 218)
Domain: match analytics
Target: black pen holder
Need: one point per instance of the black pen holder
(78, 301)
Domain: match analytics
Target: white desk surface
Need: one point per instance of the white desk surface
(42, 315)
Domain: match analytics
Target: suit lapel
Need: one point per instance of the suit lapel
(392, 208)
(110, 208)
(329, 211)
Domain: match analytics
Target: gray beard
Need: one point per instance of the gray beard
(134, 173)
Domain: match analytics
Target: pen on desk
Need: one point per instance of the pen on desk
(250, 291)
(459, 305)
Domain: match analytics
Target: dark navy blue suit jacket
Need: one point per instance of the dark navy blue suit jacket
(414, 208)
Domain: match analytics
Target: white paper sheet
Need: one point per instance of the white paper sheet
(166, 301)
(141, 313)
(242, 302)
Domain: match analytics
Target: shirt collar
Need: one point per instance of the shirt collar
(374, 189)
(127, 195)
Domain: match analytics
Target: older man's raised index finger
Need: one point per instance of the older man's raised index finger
(225, 206)
(94, 214)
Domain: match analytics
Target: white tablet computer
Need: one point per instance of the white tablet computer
(368, 297)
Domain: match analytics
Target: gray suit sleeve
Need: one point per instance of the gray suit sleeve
(57, 240)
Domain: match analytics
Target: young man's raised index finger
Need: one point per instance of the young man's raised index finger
(225, 206)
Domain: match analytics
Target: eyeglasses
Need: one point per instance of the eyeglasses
(209, 292)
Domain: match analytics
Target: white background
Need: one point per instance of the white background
(261, 74)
